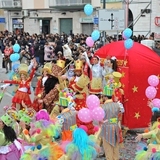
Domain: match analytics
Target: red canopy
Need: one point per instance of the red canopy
(136, 65)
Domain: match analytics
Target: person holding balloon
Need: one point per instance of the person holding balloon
(22, 94)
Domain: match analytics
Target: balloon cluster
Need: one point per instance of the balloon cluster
(88, 10)
(127, 33)
(15, 57)
(93, 112)
(151, 91)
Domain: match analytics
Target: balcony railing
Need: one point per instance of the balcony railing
(67, 3)
(10, 4)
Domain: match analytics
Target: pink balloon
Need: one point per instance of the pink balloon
(84, 115)
(124, 36)
(98, 114)
(84, 128)
(89, 42)
(156, 102)
(151, 92)
(92, 102)
(153, 80)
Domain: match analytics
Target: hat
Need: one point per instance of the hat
(26, 119)
(117, 76)
(78, 65)
(23, 69)
(81, 83)
(61, 63)
(48, 68)
(7, 120)
(59, 52)
(13, 113)
(56, 70)
(108, 91)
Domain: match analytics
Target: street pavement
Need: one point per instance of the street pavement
(127, 152)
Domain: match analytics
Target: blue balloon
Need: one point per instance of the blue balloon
(95, 35)
(88, 9)
(16, 48)
(14, 57)
(128, 43)
(127, 33)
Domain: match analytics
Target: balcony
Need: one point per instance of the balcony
(11, 4)
(68, 4)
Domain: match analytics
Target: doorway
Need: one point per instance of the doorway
(46, 26)
(66, 25)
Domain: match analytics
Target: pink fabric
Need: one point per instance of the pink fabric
(14, 154)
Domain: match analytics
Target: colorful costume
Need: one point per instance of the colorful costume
(82, 147)
(151, 151)
(42, 133)
(40, 86)
(23, 92)
(96, 80)
(110, 130)
(9, 150)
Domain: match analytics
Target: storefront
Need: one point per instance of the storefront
(17, 25)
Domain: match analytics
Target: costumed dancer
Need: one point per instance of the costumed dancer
(81, 91)
(50, 95)
(42, 133)
(82, 147)
(151, 150)
(47, 69)
(14, 75)
(10, 148)
(23, 92)
(110, 127)
(96, 78)
(110, 66)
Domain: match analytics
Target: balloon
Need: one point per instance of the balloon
(16, 48)
(156, 102)
(153, 80)
(124, 36)
(88, 9)
(151, 92)
(84, 128)
(98, 114)
(92, 102)
(14, 57)
(89, 42)
(128, 43)
(127, 33)
(95, 35)
(84, 115)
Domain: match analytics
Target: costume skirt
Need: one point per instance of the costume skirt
(21, 96)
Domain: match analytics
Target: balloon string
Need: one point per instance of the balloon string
(125, 57)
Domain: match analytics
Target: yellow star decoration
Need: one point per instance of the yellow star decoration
(158, 76)
(123, 86)
(125, 62)
(135, 89)
(123, 74)
(137, 115)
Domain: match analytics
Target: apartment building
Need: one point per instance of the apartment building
(57, 16)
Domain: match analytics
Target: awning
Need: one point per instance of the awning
(41, 18)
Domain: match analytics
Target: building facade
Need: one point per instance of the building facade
(57, 16)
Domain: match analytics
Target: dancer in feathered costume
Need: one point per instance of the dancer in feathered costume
(152, 150)
(42, 133)
(82, 147)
